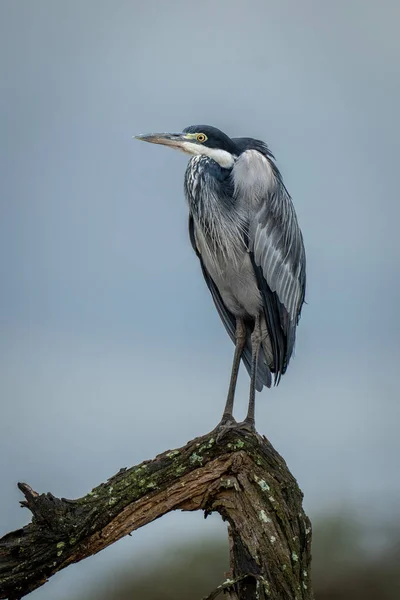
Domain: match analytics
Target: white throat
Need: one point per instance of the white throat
(222, 157)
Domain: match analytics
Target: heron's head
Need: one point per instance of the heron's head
(198, 139)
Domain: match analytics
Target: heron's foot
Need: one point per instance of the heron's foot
(247, 425)
(229, 423)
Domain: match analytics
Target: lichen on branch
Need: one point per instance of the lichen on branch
(240, 476)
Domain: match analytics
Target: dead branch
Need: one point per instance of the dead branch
(241, 476)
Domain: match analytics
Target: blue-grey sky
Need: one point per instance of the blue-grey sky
(111, 349)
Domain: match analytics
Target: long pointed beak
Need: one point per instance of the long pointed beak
(166, 139)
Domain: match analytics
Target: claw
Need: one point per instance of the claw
(230, 424)
(247, 425)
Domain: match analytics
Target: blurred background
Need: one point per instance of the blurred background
(111, 349)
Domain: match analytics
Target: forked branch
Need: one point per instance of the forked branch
(241, 476)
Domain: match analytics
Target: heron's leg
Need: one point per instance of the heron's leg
(256, 339)
(240, 344)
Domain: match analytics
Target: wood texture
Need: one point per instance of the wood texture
(240, 476)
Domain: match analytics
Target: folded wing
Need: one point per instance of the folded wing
(276, 247)
(263, 376)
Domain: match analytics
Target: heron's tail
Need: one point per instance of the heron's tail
(263, 372)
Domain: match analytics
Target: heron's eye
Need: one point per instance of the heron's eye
(201, 137)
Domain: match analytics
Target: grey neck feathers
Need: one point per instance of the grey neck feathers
(209, 192)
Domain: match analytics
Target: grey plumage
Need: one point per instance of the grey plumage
(228, 319)
(244, 230)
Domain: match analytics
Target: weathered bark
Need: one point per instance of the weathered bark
(241, 476)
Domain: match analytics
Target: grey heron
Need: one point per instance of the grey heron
(244, 230)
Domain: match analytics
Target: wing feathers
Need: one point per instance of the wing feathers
(277, 253)
(229, 321)
(276, 247)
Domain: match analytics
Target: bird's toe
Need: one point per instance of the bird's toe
(226, 424)
(247, 425)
